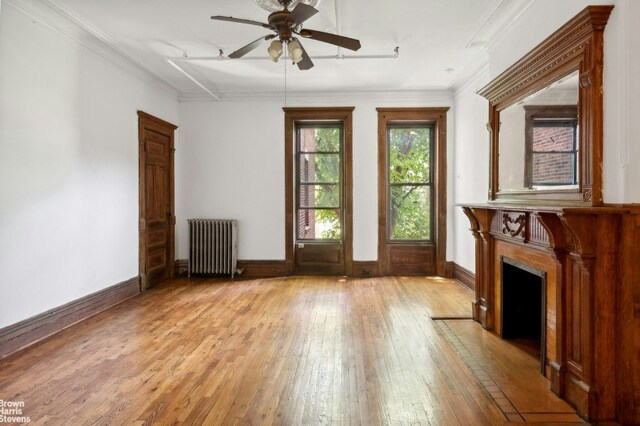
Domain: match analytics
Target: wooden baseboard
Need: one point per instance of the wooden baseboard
(29, 331)
(448, 269)
(262, 268)
(250, 268)
(368, 268)
(465, 276)
(181, 267)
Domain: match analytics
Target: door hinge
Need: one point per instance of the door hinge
(142, 224)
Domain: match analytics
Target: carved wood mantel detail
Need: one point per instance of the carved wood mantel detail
(590, 256)
(514, 224)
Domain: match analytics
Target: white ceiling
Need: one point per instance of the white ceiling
(439, 41)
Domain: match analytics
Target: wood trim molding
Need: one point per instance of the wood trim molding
(263, 268)
(181, 267)
(437, 116)
(577, 45)
(365, 268)
(278, 268)
(465, 276)
(292, 115)
(27, 332)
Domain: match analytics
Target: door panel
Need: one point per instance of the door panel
(410, 260)
(319, 259)
(156, 195)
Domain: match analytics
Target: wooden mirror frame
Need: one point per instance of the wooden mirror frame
(577, 45)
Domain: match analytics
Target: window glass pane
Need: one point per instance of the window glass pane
(409, 154)
(323, 139)
(319, 224)
(554, 169)
(549, 136)
(410, 212)
(320, 168)
(320, 195)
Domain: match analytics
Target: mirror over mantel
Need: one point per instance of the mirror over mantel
(546, 119)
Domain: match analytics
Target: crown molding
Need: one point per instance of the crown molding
(504, 14)
(438, 97)
(64, 21)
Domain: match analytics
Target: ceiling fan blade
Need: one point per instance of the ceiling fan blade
(301, 13)
(249, 47)
(241, 21)
(306, 63)
(346, 42)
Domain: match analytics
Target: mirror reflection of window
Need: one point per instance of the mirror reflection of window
(551, 146)
(554, 153)
(553, 163)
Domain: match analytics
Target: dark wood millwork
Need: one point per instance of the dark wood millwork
(414, 258)
(250, 268)
(577, 45)
(157, 213)
(318, 257)
(588, 251)
(262, 268)
(32, 330)
(590, 257)
(365, 269)
(465, 276)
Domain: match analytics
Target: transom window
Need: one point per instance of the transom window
(410, 182)
(319, 200)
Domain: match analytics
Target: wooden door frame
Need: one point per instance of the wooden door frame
(147, 121)
(292, 115)
(438, 117)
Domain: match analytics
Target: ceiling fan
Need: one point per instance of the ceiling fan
(286, 24)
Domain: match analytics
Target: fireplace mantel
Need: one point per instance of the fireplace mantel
(591, 257)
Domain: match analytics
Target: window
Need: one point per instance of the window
(410, 183)
(551, 156)
(318, 180)
(412, 190)
(318, 190)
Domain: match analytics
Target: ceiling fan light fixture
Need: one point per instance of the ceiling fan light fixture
(277, 5)
(295, 51)
(275, 50)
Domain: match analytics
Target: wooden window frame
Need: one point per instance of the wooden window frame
(313, 114)
(438, 117)
(298, 184)
(429, 184)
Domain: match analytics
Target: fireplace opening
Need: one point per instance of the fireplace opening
(523, 307)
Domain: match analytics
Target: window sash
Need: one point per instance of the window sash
(427, 184)
(306, 209)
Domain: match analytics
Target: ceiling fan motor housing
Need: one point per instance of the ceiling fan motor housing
(278, 20)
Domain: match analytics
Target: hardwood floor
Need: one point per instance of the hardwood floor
(287, 351)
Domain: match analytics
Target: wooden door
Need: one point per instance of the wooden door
(157, 219)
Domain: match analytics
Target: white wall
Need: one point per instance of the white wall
(68, 167)
(621, 103)
(230, 164)
(469, 163)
